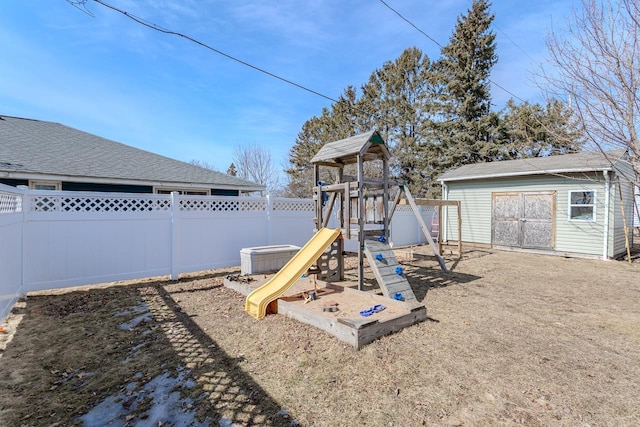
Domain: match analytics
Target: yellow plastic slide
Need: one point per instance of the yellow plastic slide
(258, 300)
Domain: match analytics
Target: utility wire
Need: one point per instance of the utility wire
(81, 4)
(411, 23)
(514, 43)
(493, 82)
(83, 9)
(436, 42)
(151, 25)
(206, 46)
(353, 108)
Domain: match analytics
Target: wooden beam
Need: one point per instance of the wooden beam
(439, 228)
(346, 202)
(432, 202)
(373, 181)
(361, 213)
(395, 204)
(317, 195)
(327, 214)
(425, 230)
(338, 187)
(460, 230)
(385, 198)
(330, 164)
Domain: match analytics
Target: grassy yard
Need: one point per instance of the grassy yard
(511, 339)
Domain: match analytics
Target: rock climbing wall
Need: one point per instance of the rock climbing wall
(388, 272)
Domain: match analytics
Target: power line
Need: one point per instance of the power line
(153, 26)
(206, 46)
(512, 41)
(411, 23)
(81, 4)
(436, 42)
(83, 9)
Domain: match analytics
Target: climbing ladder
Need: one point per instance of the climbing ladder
(387, 270)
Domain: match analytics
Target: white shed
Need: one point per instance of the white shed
(572, 204)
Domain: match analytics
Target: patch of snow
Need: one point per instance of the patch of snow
(226, 422)
(146, 317)
(283, 413)
(167, 406)
(140, 308)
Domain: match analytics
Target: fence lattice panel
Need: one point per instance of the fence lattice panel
(10, 203)
(98, 203)
(208, 204)
(294, 205)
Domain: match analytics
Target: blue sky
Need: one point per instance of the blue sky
(115, 78)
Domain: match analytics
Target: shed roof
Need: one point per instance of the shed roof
(34, 147)
(370, 145)
(566, 163)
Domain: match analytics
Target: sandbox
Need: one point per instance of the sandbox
(345, 322)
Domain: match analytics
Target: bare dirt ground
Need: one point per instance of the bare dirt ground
(512, 339)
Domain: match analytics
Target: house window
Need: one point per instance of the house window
(582, 205)
(44, 185)
(182, 192)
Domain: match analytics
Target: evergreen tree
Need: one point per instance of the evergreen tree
(338, 123)
(531, 130)
(232, 170)
(436, 115)
(401, 95)
(466, 122)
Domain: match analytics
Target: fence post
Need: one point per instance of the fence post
(175, 209)
(421, 238)
(25, 203)
(269, 220)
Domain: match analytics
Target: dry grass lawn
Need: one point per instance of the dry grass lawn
(512, 339)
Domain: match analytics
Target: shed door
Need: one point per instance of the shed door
(523, 220)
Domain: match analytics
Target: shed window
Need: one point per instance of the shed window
(582, 205)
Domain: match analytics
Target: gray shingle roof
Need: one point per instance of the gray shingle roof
(346, 150)
(41, 147)
(566, 163)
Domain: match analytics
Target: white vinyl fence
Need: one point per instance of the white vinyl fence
(405, 229)
(56, 239)
(11, 267)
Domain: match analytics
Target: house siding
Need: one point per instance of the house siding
(570, 236)
(14, 182)
(111, 188)
(219, 192)
(114, 188)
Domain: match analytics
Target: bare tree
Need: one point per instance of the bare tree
(595, 62)
(254, 163)
(203, 164)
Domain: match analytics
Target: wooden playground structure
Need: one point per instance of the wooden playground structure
(364, 205)
(365, 209)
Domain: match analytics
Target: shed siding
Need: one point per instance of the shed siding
(571, 236)
(617, 237)
(475, 211)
